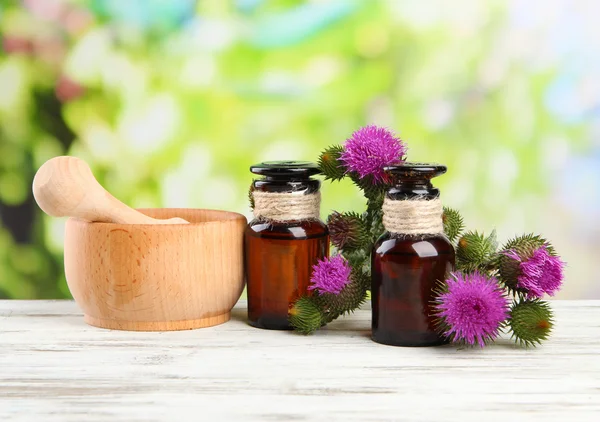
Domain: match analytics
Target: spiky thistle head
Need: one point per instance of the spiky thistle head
(453, 223)
(530, 322)
(348, 231)
(470, 308)
(330, 275)
(523, 246)
(305, 315)
(475, 251)
(529, 265)
(369, 150)
(330, 164)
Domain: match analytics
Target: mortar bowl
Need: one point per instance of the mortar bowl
(145, 277)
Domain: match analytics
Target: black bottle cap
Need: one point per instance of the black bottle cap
(416, 170)
(286, 169)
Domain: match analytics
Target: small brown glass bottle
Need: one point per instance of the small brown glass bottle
(283, 241)
(409, 258)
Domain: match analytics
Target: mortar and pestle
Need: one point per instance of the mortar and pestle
(155, 269)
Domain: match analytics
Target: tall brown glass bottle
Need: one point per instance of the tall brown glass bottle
(280, 252)
(406, 267)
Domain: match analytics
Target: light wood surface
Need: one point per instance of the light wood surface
(54, 367)
(65, 187)
(157, 277)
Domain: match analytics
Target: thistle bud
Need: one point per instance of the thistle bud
(453, 223)
(529, 265)
(348, 231)
(474, 251)
(330, 164)
(530, 322)
(305, 316)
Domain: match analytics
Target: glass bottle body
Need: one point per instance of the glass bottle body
(405, 270)
(280, 255)
(279, 261)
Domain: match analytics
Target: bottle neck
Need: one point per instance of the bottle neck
(287, 185)
(413, 188)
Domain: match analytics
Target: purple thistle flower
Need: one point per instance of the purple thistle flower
(472, 308)
(370, 149)
(540, 273)
(330, 275)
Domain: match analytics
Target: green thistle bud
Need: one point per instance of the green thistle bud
(348, 231)
(530, 322)
(453, 223)
(330, 164)
(524, 246)
(305, 315)
(475, 251)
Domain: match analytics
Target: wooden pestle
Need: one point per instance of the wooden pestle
(65, 186)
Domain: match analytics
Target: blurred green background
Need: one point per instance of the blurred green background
(171, 101)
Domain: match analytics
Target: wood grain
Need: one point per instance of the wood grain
(54, 367)
(157, 277)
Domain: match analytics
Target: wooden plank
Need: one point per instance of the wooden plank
(55, 367)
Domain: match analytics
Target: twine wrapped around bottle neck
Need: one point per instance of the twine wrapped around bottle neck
(413, 216)
(286, 206)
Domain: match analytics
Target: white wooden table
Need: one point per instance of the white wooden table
(54, 367)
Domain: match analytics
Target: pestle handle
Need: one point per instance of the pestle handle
(65, 187)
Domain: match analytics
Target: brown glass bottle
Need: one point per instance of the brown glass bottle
(405, 269)
(279, 255)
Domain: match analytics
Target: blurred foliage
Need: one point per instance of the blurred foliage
(171, 101)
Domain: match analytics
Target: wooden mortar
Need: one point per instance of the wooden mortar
(157, 277)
